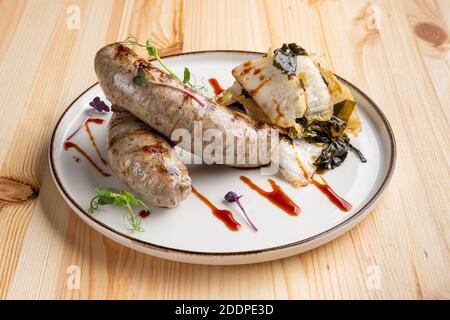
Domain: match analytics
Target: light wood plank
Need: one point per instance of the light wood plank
(14, 220)
(374, 44)
(20, 62)
(47, 100)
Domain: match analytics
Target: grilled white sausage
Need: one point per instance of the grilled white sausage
(166, 104)
(145, 162)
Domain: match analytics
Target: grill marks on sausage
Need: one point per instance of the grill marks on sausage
(157, 149)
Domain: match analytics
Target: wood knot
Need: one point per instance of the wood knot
(370, 18)
(373, 17)
(431, 33)
(12, 191)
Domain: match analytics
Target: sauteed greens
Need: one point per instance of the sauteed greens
(332, 133)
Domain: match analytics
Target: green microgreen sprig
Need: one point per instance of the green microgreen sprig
(153, 52)
(124, 200)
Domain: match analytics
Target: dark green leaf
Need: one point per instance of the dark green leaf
(357, 152)
(285, 58)
(333, 155)
(297, 50)
(105, 200)
(337, 127)
(140, 78)
(332, 133)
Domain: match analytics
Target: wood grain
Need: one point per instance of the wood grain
(396, 51)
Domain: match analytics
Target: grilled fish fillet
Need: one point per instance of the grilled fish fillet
(284, 99)
(281, 98)
(295, 159)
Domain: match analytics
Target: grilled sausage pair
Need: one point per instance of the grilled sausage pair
(139, 156)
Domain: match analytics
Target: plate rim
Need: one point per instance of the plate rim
(346, 224)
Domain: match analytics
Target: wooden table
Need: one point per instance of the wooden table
(397, 51)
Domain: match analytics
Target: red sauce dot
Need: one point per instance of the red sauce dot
(215, 85)
(144, 213)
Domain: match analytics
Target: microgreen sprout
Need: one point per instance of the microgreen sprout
(233, 197)
(142, 78)
(124, 200)
(153, 52)
(186, 75)
(97, 105)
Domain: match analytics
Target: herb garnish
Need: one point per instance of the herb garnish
(153, 52)
(124, 200)
(233, 197)
(97, 105)
(141, 78)
(285, 58)
(186, 75)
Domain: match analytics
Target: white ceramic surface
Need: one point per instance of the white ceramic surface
(190, 233)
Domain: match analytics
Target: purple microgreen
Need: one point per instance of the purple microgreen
(97, 105)
(195, 97)
(233, 197)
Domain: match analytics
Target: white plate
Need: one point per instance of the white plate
(190, 233)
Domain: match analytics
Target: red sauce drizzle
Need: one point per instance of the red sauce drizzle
(334, 198)
(215, 85)
(144, 213)
(68, 145)
(223, 215)
(276, 196)
(91, 137)
(95, 120)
